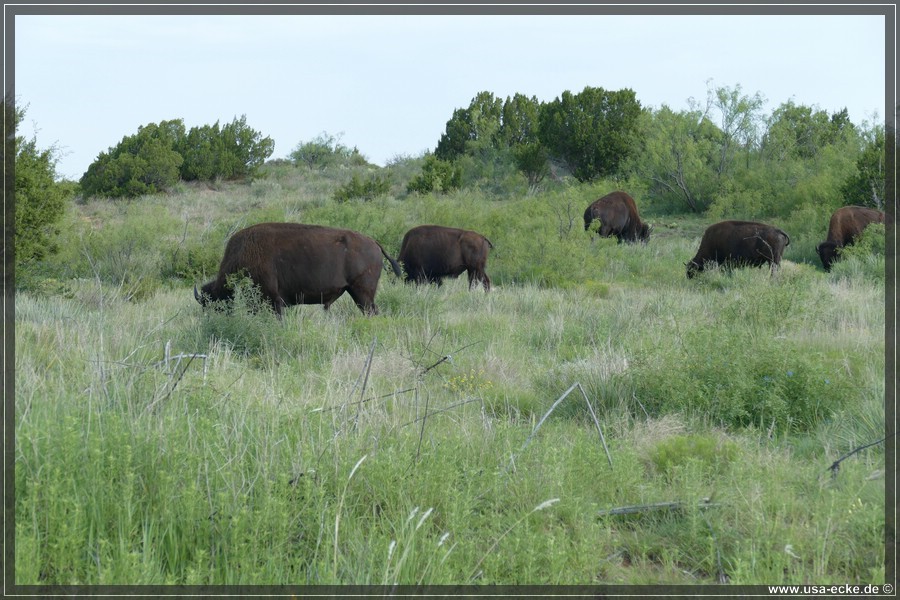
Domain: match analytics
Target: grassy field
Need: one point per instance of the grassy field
(160, 444)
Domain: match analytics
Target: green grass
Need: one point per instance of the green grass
(283, 455)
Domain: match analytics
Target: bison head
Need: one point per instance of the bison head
(644, 234)
(692, 268)
(201, 299)
(828, 252)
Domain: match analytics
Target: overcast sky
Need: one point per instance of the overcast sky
(388, 84)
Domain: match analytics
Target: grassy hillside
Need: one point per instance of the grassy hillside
(160, 444)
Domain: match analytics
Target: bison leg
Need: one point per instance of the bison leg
(486, 281)
(477, 276)
(365, 300)
(276, 302)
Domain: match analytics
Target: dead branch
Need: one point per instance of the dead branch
(655, 507)
(837, 464)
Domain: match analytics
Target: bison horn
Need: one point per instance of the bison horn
(197, 295)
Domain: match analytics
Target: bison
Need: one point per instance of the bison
(845, 226)
(740, 243)
(301, 264)
(618, 216)
(431, 252)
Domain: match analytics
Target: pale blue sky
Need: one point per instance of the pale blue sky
(388, 84)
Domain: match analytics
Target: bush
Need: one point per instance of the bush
(357, 189)
(233, 152)
(325, 151)
(157, 157)
(40, 201)
(144, 163)
(673, 453)
(437, 176)
(246, 323)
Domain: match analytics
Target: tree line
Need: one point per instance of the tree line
(720, 156)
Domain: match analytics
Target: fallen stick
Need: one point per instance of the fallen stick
(837, 464)
(655, 507)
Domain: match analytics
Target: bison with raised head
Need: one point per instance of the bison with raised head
(431, 252)
(618, 216)
(301, 264)
(845, 226)
(740, 243)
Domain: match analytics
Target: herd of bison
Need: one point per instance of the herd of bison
(312, 264)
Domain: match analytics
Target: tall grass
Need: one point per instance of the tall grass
(240, 461)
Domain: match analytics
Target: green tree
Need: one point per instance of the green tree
(797, 131)
(678, 155)
(244, 150)
(359, 189)
(326, 150)
(739, 122)
(533, 160)
(201, 150)
(474, 130)
(520, 131)
(144, 163)
(867, 186)
(520, 120)
(40, 201)
(437, 176)
(592, 132)
(234, 151)
(457, 133)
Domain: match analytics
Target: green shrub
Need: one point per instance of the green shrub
(357, 189)
(711, 454)
(235, 151)
(144, 163)
(157, 157)
(326, 151)
(864, 259)
(41, 202)
(437, 176)
(246, 323)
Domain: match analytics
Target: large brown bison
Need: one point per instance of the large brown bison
(301, 264)
(618, 216)
(431, 252)
(845, 226)
(740, 243)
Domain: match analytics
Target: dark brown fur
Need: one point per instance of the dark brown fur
(302, 264)
(431, 252)
(844, 227)
(740, 243)
(618, 216)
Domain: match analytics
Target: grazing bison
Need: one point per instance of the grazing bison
(740, 243)
(618, 216)
(845, 226)
(431, 252)
(301, 264)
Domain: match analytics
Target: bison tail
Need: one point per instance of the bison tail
(394, 264)
(787, 238)
(490, 245)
